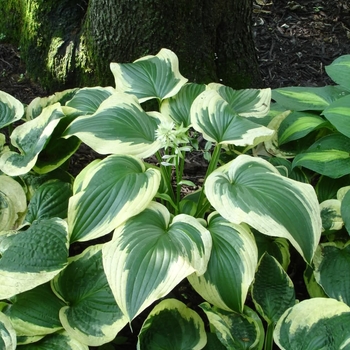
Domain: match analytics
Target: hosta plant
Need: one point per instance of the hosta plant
(131, 237)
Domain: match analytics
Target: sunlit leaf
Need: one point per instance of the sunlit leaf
(11, 109)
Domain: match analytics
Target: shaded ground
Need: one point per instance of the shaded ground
(294, 42)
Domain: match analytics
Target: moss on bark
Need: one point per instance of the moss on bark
(11, 20)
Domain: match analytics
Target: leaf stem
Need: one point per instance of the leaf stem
(269, 336)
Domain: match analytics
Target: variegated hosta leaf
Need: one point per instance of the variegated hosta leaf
(272, 290)
(338, 114)
(214, 118)
(297, 125)
(57, 341)
(119, 126)
(8, 340)
(231, 266)
(35, 107)
(49, 200)
(178, 107)
(339, 71)
(91, 315)
(331, 215)
(32, 257)
(30, 138)
(317, 323)
(246, 102)
(172, 325)
(10, 109)
(327, 156)
(297, 98)
(150, 76)
(345, 210)
(238, 331)
(35, 312)
(150, 254)
(13, 203)
(87, 100)
(251, 190)
(108, 193)
(332, 271)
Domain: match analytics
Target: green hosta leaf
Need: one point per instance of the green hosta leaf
(236, 331)
(178, 107)
(50, 200)
(35, 312)
(339, 71)
(327, 187)
(107, 194)
(57, 341)
(317, 323)
(149, 256)
(345, 210)
(11, 109)
(231, 266)
(8, 340)
(119, 126)
(13, 203)
(213, 343)
(87, 100)
(30, 138)
(172, 325)
(331, 215)
(299, 98)
(248, 102)
(272, 290)
(91, 315)
(313, 288)
(150, 76)
(338, 113)
(298, 124)
(332, 271)
(251, 190)
(32, 257)
(327, 156)
(35, 107)
(214, 118)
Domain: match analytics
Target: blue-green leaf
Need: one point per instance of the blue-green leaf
(150, 76)
(172, 325)
(108, 193)
(251, 190)
(339, 71)
(150, 254)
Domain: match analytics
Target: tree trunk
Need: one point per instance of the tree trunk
(71, 43)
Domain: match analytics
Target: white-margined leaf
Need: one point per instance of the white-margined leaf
(178, 107)
(236, 331)
(150, 76)
(253, 103)
(332, 270)
(298, 98)
(317, 323)
(91, 314)
(11, 109)
(172, 325)
(339, 71)
(13, 203)
(119, 126)
(32, 257)
(214, 118)
(35, 312)
(231, 266)
(328, 156)
(331, 215)
(60, 340)
(109, 193)
(150, 254)
(87, 100)
(30, 138)
(8, 340)
(251, 190)
(49, 200)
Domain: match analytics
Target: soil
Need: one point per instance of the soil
(294, 42)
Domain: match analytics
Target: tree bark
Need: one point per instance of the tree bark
(71, 43)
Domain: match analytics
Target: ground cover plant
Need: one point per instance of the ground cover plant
(275, 188)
